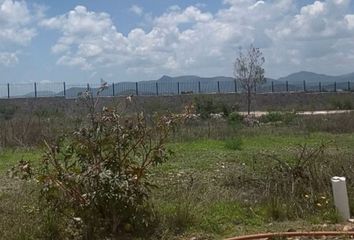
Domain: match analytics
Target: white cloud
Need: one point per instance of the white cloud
(88, 38)
(17, 30)
(136, 10)
(318, 20)
(350, 21)
(174, 8)
(15, 23)
(193, 41)
(8, 58)
(257, 4)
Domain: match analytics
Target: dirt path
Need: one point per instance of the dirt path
(261, 113)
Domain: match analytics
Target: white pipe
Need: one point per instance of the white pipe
(340, 196)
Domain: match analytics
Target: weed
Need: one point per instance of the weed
(206, 105)
(7, 112)
(333, 123)
(342, 104)
(234, 144)
(271, 117)
(235, 119)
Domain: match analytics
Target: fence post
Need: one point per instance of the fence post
(287, 86)
(64, 89)
(136, 89)
(255, 87)
(340, 196)
(8, 90)
(218, 87)
(88, 87)
(348, 86)
(157, 88)
(235, 82)
(320, 86)
(335, 86)
(199, 88)
(304, 86)
(178, 88)
(113, 89)
(272, 86)
(35, 89)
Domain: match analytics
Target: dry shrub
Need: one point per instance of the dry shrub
(333, 123)
(291, 186)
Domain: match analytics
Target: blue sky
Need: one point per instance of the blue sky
(83, 41)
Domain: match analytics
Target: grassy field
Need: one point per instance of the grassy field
(204, 190)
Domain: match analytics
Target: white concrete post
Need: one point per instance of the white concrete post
(340, 196)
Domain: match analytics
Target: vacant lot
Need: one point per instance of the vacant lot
(228, 174)
(209, 189)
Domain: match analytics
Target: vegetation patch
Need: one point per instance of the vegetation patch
(234, 144)
(174, 176)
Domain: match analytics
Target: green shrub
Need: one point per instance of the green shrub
(271, 117)
(205, 105)
(235, 119)
(345, 104)
(289, 117)
(99, 174)
(234, 144)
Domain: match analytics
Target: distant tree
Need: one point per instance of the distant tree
(249, 71)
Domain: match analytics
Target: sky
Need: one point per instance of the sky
(81, 41)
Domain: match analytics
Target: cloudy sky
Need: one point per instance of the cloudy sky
(121, 40)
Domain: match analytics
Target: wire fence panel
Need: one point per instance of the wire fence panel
(227, 86)
(153, 88)
(25, 90)
(279, 86)
(312, 87)
(3, 91)
(328, 87)
(263, 88)
(294, 88)
(127, 89)
(107, 91)
(189, 87)
(95, 88)
(168, 88)
(208, 87)
(147, 88)
(74, 91)
(50, 89)
(343, 86)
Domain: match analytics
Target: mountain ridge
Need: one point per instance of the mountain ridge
(310, 77)
(192, 83)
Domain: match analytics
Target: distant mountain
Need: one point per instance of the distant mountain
(294, 78)
(192, 78)
(311, 77)
(41, 94)
(168, 85)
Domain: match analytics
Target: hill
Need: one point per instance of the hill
(193, 84)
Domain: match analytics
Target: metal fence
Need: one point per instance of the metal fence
(153, 88)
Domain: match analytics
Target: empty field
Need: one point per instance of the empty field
(207, 189)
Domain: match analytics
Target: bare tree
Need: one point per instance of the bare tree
(249, 71)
